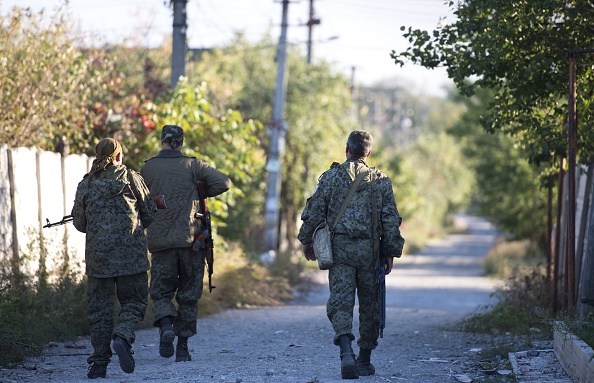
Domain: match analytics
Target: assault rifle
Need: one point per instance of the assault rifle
(65, 219)
(380, 272)
(159, 200)
(381, 286)
(203, 239)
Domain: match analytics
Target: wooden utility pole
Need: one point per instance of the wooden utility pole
(310, 23)
(180, 27)
(276, 131)
(571, 160)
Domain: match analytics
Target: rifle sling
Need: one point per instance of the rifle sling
(375, 230)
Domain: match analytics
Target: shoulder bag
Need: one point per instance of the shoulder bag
(322, 235)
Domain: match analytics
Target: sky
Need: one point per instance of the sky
(357, 34)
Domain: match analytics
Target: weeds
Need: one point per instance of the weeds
(582, 328)
(522, 308)
(32, 314)
(520, 318)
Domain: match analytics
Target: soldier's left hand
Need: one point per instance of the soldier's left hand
(389, 264)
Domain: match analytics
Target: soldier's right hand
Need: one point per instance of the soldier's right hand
(308, 252)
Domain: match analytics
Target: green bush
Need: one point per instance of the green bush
(32, 314)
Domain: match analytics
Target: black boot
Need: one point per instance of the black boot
(181, 350)
(166, 337)
(124, 352)
(348, 365)
(364, 365)
(97, 371)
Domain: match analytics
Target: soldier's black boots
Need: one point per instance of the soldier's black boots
(364, 365)
(97, 371)
(124, 351)
(348, 365)
(181, 350)
(166, 337)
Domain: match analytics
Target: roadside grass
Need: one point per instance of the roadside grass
(33, 314)
(521, 316)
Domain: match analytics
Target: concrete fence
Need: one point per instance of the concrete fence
(36, 185)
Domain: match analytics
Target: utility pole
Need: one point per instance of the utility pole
(276, 131)
(180, 27)
(310, 23)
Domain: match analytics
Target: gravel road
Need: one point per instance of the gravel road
(293, 343)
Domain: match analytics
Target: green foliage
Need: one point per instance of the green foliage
(226, 142)
(520, 49)
(509, 190)
(44, 81)
(121, 105)
(242, 76)
(31, 315)
(57, 96)
(431, 181)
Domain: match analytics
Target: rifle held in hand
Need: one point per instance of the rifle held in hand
(203, 239)
(381, 286)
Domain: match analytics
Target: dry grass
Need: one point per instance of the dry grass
(241, 283)
(508, 259)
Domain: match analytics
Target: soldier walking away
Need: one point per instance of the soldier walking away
(177, 271)
(113, 207)
(355, 256)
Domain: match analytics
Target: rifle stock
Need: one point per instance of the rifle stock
(203, 239)
(160, 201)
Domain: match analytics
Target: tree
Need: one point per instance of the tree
(227, 142)
(520, 49)
(242, 76)
(508, 188)
(44, 81)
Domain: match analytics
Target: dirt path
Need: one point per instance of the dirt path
(293, 344)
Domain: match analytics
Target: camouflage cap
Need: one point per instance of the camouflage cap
(173, 135)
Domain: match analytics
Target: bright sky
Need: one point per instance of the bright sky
(366, 30)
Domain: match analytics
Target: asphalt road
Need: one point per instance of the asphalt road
(426, 292)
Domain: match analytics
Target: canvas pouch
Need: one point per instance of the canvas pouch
(322, 245)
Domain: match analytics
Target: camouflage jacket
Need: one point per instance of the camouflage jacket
(356, 221)
(113, 208)
(175, 176)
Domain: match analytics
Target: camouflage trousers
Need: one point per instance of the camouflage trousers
(132, 294)
(353, 274)
(177, 273)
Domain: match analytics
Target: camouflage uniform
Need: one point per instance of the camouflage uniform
(352, 245)
(113, 208)
(176, 270)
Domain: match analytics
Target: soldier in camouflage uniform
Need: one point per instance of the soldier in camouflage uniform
(113, 207)
(177, 271)
(353, 271)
